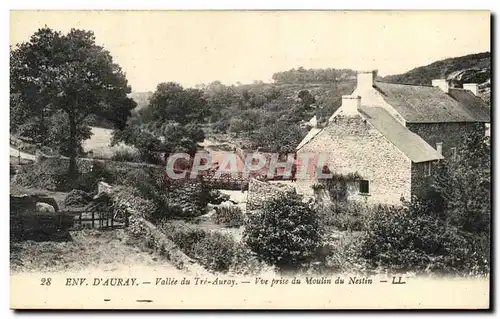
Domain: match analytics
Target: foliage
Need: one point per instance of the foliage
(47, 175)
(286, 233)
(215, 251)
(125, 155)
(425, 74)
(64, 78)
(345, 215)
(185, 198)
(462, 185)
(170, 123)
(77, 198)
(336, 186)
(51, 174)
(230, 216)
(301, 75)
(409, 239)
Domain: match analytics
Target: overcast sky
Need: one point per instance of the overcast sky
(201, 47)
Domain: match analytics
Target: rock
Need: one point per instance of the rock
(45, 208)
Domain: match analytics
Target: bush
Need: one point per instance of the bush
(77, 198)
(408, 239)
(88, 181)
(346, 215)
(215, 251)
(49, 175)
(230, 216)
(125, 155)
(285, 234)
(216, 197)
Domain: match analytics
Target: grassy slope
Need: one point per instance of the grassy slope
(472, 68)
(92, 249)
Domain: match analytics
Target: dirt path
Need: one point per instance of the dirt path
(95, 250)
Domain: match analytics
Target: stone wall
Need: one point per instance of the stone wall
(352, 145)
(259, 192)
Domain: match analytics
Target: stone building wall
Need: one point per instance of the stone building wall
(353, 146)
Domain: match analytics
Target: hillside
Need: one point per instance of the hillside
(472, 68)
(141, 98)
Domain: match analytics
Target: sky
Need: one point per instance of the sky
(194, 47)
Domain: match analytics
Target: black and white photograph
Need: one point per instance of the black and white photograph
(250, 159)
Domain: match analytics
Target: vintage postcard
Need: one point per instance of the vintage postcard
(250, 159)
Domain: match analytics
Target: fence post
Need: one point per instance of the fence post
(111, 218)
(81, 213)
(93, 219)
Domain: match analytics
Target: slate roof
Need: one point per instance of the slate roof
(427, 104)
(473, 104)
(412, 145)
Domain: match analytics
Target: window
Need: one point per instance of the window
(364, 186)
(453, 152)
(428, 168)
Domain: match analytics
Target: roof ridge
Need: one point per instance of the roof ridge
(407, 84)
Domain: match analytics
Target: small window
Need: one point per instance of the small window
(364, 186)
(453, 152)
(428, 168)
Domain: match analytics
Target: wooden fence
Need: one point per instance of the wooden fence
(98, 219)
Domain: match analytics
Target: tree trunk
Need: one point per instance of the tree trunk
(72, 148)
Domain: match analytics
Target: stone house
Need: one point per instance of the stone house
(390, 135)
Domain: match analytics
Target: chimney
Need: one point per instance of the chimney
(366, 79)
(439, 148)
(473, 87)
(442, 84)
(350, 104)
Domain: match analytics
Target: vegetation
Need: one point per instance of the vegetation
(170, 123)
(285, 234)
(77, 198)
(58, 81)
(230, 216)
(472, 68)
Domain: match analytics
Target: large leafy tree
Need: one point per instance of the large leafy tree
(60, 80)
(170, 123)
(463, 184)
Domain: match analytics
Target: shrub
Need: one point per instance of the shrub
(125, 155)
(187, 238)
(286, 233)
(231, 216)
(345, 215)
(77, 198)
(407, 239)
(216, 197)
(89, 180)
(49, 175)
(215, 251)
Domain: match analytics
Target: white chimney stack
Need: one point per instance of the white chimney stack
(350, 104)
(366, 79)
(473, 87)
(442, 84)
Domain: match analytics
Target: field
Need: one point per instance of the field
(99, 143)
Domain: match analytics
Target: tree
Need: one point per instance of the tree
(464, 184)
(170, 123)
(71, 77)
(171, 102)
(286, 233)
